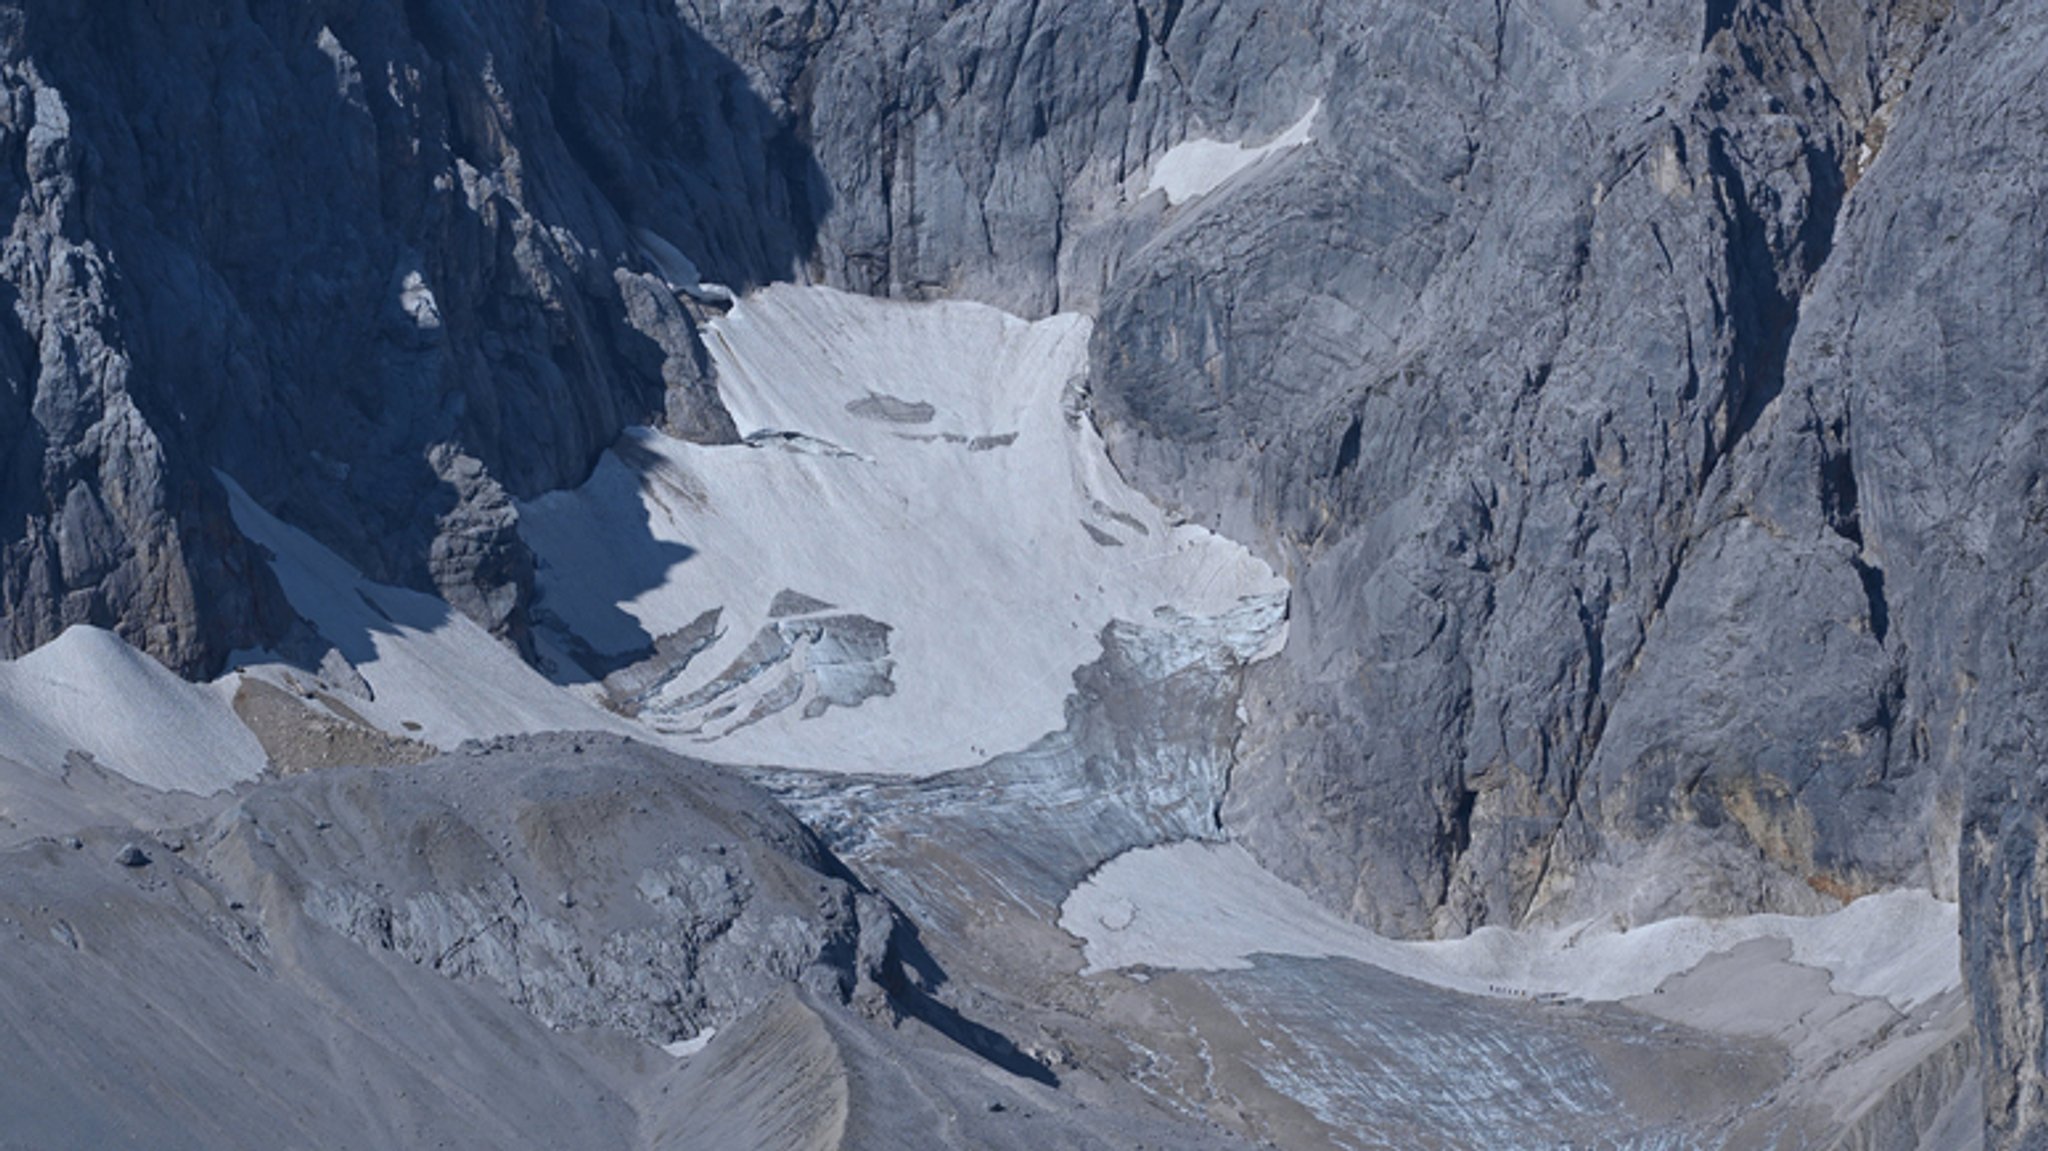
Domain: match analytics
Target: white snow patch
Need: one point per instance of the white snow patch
(694, 1045)
(87, 690)
(680, 271)
(1211, 907)
(1198, 167)
(927, 466)
(436, 676)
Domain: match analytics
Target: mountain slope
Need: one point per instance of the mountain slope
(1638, 400)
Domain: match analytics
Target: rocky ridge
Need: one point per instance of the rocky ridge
(567, 940)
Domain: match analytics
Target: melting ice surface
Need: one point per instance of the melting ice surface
(1198, 167)
(900, 570)
(1210, 907)
(920, 541)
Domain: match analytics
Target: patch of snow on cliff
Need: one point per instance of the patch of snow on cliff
(1198, 167)
(434, 674)
(920, 541)
(89, 691)
(1211, 907)
(694, 1045)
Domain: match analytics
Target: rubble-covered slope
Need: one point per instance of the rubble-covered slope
(499, 948)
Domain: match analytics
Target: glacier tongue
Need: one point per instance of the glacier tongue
(900, 569)
(1212, 907)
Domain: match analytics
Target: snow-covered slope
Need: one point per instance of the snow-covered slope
(900, 569)
(433, 675)
(1211, 907)
(89, 691)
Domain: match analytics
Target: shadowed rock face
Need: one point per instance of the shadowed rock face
(387, 265)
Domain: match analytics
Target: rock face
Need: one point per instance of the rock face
(389, 266)
(1925, 323)
(1638, 397)
(1581, 585)
(1497, 369)
(999, 150)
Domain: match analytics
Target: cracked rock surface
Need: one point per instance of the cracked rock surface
(605, 886)
(497, 948)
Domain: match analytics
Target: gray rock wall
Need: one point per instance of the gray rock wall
(1926, 323)
(1660, 489)
(1497, 372)
(995, 150)
(381, 263)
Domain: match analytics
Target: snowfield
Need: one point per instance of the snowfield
(1211, 907)
(899, 571)
(901, 568)
(87, 690)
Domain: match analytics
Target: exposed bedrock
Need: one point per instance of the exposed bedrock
(481, 952)
(390, 266)
(1927, 320)
(594, 883)
(1653, 440)
(1501, 371)
(996, 150)
(395, 267)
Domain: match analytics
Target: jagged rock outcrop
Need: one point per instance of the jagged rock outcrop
(1619, 584)
(998, 151)
(1577, 575)
(1538, 521)
(389, 266)
(1510, 406)
(594, 883)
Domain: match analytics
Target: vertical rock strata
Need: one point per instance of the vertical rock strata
(1928, 323)
(1585, 614)
(387, 265)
